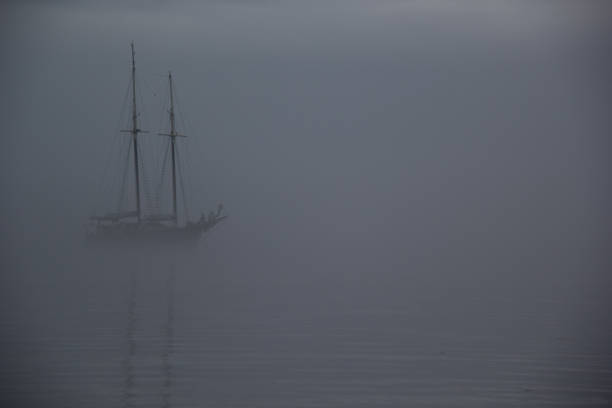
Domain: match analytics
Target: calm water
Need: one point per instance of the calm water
(154, 330)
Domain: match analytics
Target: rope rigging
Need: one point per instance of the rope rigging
(163, 174)
(190, 131)
(180, 172)
(108, 184)
(125, 169)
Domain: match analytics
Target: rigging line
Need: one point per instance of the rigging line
(189, 171)
(162, 147)
(188, 130)
(163, 172)
(145, 144)
(186, 174)
(146, 186)
(189, 190)
(155, 145)
(164, 104)
(140, 114)
(147, 89)
(121, 164)
(104, 183)
(110, 188)
(125, 168)
(151, 143)
(178, 104)
(108, 183)
(180, 171)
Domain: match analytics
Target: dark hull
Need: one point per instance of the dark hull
(150, 233)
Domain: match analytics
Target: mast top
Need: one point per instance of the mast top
(133, 53)
(173, 134)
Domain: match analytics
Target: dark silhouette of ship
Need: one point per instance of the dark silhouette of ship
(136, 224)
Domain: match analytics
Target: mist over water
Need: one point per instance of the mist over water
(418, 196)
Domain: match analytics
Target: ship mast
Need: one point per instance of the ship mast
(173, 143)
(135, 132)
(173, 135)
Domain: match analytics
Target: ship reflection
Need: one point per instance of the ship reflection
(128, 362)
(129, 366)
(169, 340)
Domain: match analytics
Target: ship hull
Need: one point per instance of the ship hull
(150, 233)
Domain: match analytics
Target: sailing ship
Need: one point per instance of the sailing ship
(141, 226)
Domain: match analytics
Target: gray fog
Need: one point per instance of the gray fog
(418, 194)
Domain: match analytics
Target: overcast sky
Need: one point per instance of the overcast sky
(362, 135)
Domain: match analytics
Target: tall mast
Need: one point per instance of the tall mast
(173, 142)
(134, 132)
(173, 135)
